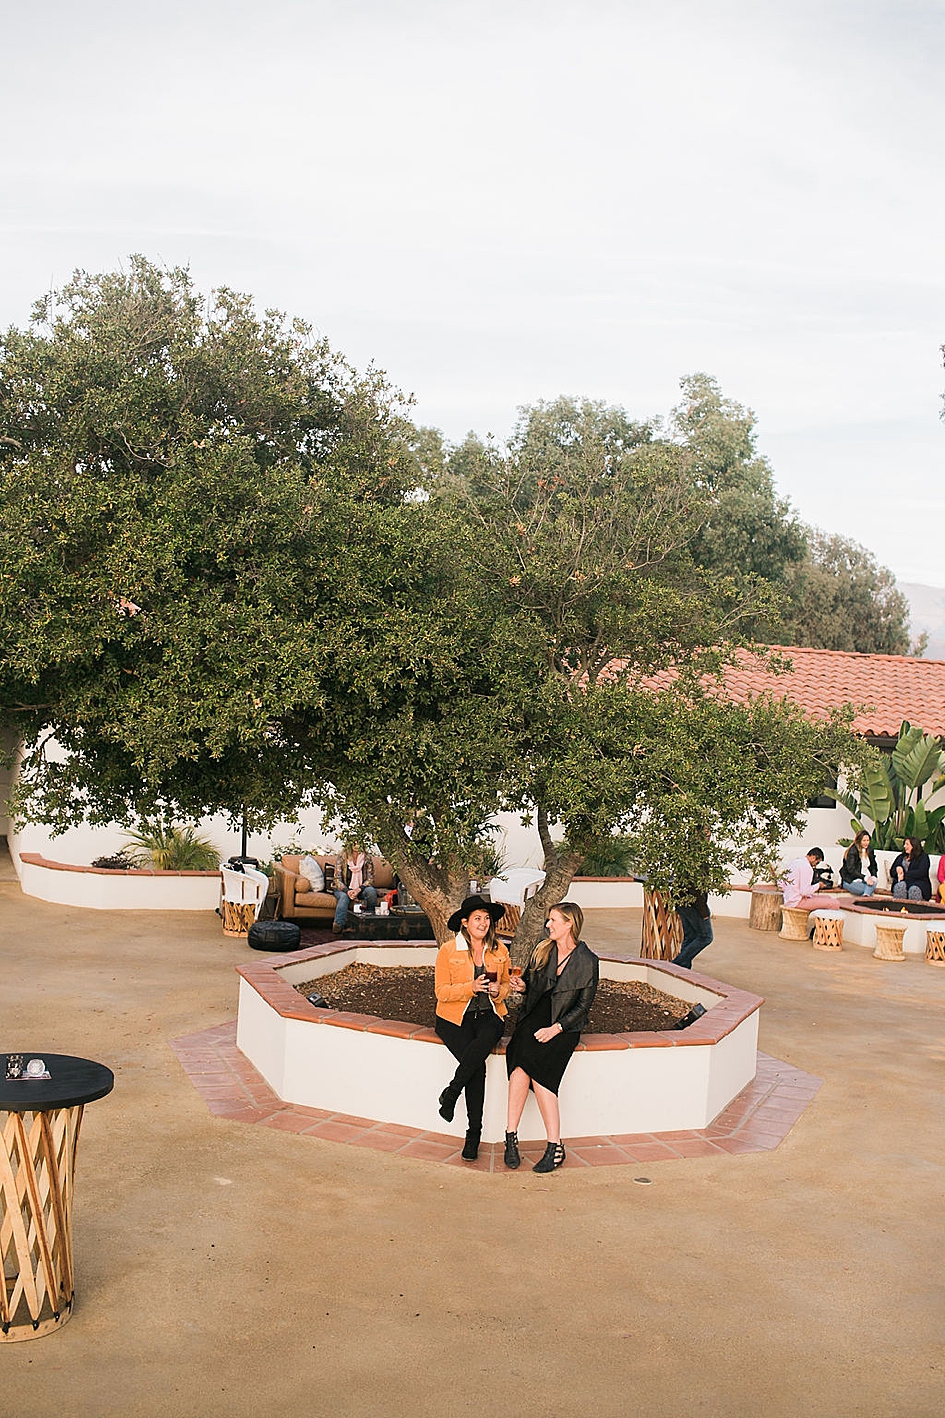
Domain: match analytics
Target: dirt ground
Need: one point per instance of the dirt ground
(233, 1270)
(406, 993)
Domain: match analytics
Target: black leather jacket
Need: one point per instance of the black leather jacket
(852, 869)
(572, 994)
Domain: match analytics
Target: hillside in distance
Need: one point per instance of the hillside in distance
(927, 605)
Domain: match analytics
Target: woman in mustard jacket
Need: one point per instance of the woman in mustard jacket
(472, 982)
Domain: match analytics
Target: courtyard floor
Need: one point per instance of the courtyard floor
(229, 1269)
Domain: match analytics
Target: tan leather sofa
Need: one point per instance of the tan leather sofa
(299, 902)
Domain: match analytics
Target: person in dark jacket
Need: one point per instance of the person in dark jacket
(697, 927)
(910, 872)
(559, 983)
(858, 872)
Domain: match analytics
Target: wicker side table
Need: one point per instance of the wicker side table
(793, 923)
(889, 943)
(39, 1131)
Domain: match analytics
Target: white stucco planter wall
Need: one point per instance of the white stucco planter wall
(373, 1068)
(100, 890)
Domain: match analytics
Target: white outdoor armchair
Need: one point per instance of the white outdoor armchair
(243, 895)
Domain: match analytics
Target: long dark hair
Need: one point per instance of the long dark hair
(915, 848)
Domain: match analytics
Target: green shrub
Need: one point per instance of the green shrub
(611, 856)
(165, 846)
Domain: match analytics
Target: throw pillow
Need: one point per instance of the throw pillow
(311, 868)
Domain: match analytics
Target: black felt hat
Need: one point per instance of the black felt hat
(475, 903)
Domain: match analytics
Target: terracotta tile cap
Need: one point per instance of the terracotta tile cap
(396, 1028)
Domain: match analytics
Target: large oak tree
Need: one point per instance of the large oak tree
(233, 575)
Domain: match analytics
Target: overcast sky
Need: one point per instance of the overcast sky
(499, 203)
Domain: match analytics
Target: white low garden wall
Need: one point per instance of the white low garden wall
(101, 890)
(394, 1072)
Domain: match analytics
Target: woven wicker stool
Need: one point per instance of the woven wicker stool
(889, 943)
(828, 930)
(935, 947)
(793, 923)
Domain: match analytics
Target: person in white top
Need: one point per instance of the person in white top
(797, 885)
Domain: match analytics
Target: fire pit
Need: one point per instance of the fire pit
(893, 906)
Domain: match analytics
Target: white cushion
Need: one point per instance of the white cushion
(311, 868)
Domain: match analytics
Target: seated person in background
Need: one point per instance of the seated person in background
(797, 885)
(909, 873)
(354, 880)
(941, 877)
(858, 873)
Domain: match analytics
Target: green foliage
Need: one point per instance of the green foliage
(118, 861)
(890, 803)
(829, 592)
(180, 480)
(167, 846)
(611, 857)
(839, 598)
(749, 528)
(232, 573)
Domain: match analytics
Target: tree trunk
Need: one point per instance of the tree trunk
(559, 870)
(766, 902)
(438, 897)
(437, 890)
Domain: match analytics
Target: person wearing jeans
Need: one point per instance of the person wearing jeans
(697, 928)
(910, 872)
(858, 874)
(354, 880)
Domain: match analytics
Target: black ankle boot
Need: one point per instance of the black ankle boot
(471, 1145)
(448, 1100)
(512, 1158)
(554, 1155)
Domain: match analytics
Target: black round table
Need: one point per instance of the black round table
(39, 1126)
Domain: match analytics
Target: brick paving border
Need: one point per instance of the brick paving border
(757, 1120)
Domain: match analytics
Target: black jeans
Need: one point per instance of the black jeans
(471, 1043)
(697, 934)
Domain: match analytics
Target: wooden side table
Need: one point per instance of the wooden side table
(889, 943)
(39, 1131)
(766, 902)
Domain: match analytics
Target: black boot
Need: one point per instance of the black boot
(553, 1157)
(448, 1100)
(471, 1145)
(512, 1158)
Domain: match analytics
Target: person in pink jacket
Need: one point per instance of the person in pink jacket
(798, 889)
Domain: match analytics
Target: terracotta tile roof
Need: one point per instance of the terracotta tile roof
(891, 687)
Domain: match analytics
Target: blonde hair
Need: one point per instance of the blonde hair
(573, 914)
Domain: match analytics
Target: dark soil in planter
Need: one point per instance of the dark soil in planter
(406, 992)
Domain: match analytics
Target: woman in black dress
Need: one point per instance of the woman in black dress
(910, 872)
(560, 982)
